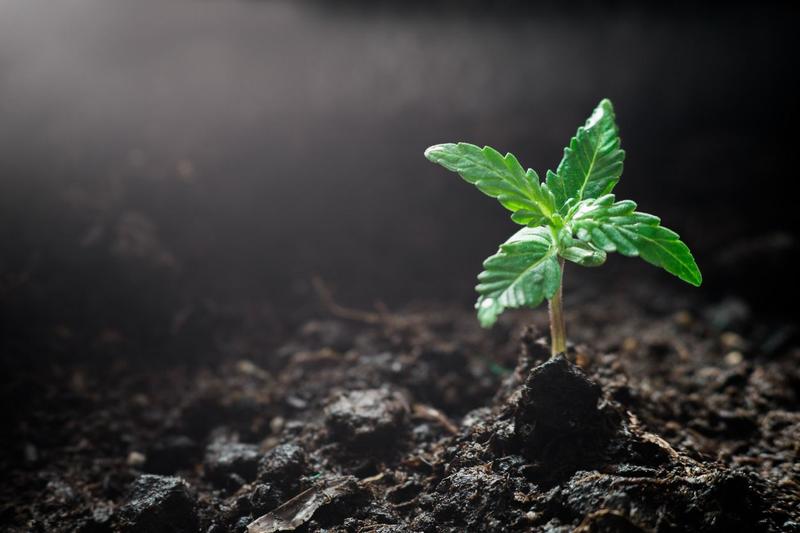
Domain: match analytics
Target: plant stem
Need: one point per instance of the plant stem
(558, 333)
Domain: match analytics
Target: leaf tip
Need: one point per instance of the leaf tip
(695, 279)
(486, 322)
(691, 273)
(487, 308)
(604, 109)
(606, 104)
(433, 153)
(693, 276)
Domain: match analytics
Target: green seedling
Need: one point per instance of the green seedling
(571, 216)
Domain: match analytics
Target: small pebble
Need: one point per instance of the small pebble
(140, 400)
(731, 340)
(733, 358)
(629, 344)
(276, 424)
(136, 459)
(683, 318)
(248, 368)
(297, 403)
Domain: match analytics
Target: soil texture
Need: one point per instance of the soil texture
(662, 416)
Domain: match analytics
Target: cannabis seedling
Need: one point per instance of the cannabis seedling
(572, 216)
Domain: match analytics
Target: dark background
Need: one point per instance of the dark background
(161, 163)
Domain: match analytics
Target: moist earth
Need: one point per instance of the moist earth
(660, 417)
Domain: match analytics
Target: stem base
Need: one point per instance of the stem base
(558, 332)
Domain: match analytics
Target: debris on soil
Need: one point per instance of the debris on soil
(302, 507)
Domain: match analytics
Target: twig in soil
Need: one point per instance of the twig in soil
(339, 311)
(661, 443)
(431, 413)
(382, 316)
(372, 479)
(404, 505)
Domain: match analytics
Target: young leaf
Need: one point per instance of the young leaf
(617, 226)
(500, 177)
(583, 254)
(522, 273)
(592, 163)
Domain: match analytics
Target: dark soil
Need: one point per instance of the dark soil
(662, 417)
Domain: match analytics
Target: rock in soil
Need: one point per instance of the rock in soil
(158, 503)
(231, 464)
(363, 418)
(283, 466)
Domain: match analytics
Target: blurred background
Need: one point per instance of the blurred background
(164, 162)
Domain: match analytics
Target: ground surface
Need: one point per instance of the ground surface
(668, 415)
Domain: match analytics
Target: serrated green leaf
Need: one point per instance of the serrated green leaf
(522, 273)
(618, 227)
(498, 176)
(592, 163)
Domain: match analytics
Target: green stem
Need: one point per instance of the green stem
(558, 333)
